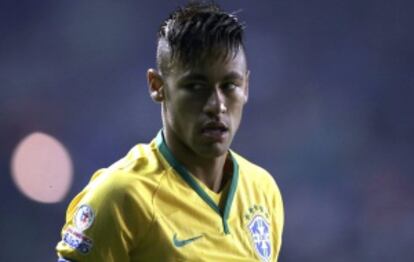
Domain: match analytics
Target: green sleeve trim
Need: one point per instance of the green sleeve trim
(185, 175)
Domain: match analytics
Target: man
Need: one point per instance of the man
(185, 196)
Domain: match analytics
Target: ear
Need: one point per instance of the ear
(155, 85)
(246, 88)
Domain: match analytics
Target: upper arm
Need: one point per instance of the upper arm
(101, 224)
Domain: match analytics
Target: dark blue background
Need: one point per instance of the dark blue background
(329, 115)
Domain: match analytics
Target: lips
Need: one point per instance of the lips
(215, 131)
(214, 126)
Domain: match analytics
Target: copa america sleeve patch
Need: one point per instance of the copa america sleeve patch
(77, 240)
(84, 217)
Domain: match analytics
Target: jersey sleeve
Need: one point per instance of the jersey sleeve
(102, 222)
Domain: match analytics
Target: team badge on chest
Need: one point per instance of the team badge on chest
(260, 231)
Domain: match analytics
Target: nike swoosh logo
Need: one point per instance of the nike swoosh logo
(180, 243)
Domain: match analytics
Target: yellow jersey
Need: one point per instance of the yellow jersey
(148, 207)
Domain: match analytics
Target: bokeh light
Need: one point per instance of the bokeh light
(42, 168)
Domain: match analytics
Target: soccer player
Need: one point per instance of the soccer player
(185, 196)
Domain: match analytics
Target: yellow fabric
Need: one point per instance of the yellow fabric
(140, 204)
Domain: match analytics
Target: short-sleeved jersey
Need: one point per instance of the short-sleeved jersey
(148, 207)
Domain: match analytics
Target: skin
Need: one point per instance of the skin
(213, 91)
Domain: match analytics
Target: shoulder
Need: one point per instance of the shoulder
(263, 186)
(255, 174)
(140, 167)
(258, 180)
(115, 210)
(132, 179)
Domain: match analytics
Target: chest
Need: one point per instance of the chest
(187, 229)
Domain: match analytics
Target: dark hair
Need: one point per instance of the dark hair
(195, 31)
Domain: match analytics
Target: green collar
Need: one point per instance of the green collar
(182, 171)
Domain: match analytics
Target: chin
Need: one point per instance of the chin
(213, 151)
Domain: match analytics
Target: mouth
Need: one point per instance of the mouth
(215, 131)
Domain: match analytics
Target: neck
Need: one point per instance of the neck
(212, 171)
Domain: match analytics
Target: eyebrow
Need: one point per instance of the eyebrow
(233, 75)
(193, 76)
(198, 76)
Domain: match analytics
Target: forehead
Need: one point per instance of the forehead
(213, 64)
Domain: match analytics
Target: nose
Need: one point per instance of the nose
(215, 104)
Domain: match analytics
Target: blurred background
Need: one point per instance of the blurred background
(330, 115)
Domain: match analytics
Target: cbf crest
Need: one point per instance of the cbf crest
(260, 231)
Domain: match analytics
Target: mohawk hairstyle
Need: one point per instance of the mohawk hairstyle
(195, 31)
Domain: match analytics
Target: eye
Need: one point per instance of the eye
(193, 87)
(230, 86)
